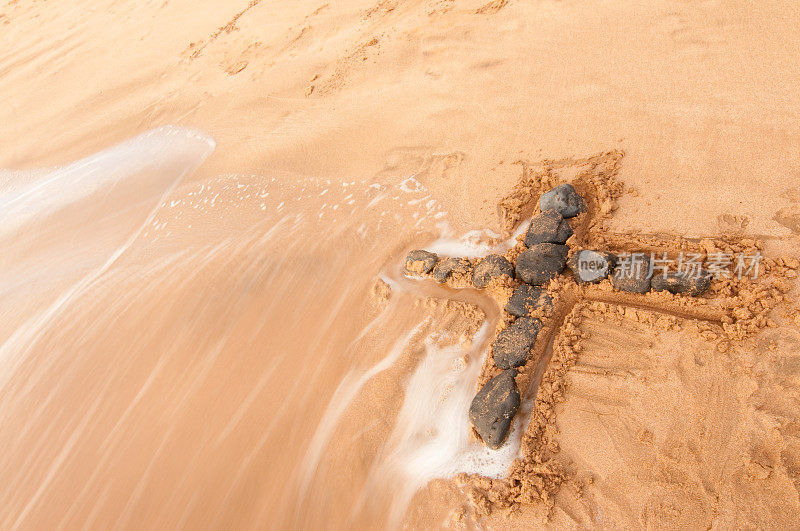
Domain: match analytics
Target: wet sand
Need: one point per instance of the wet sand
(203, 339)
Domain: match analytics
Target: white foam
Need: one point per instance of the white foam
(474, 243)
(411, 185)
(69, 225)
(432, 435)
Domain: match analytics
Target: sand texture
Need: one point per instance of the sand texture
(207, 319)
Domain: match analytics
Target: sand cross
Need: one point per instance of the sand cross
(529, 283)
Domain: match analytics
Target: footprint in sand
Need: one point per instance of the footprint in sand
(732, 224)
(789, 216)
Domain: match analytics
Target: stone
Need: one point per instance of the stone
(541, 263)
(447, 266)
(493, 408)
(527, 298)
(632, 273)
(564, 200)
(513, 345)
(420, 262)
(680, 282)
(591, 266)
(491, 267)
(548, 227)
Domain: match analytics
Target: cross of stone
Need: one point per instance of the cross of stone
(529, 283)
(563, 269)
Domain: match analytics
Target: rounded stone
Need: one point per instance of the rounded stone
(548, 227)
(525, 299)
(513, 345)
(564, 200)
(541, 263)
(491, 267)
(447, 266)
(632, 273)
(420, 262)
(591, 266)
(493, 408)
(681, 282)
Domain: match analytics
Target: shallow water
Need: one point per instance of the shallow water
(215, 353)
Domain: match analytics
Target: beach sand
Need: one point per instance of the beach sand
(220, 336)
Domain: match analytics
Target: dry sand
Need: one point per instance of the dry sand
(239, 366)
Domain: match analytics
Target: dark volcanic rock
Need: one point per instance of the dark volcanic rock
(513, 345)
(527, 298)
(490, 267)
(548, 227)
(448, 266)
(632, 273)
(682, 283)
(420, 262)
(541, 262)
(564, 200)
(493, 408)
(591, 266)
